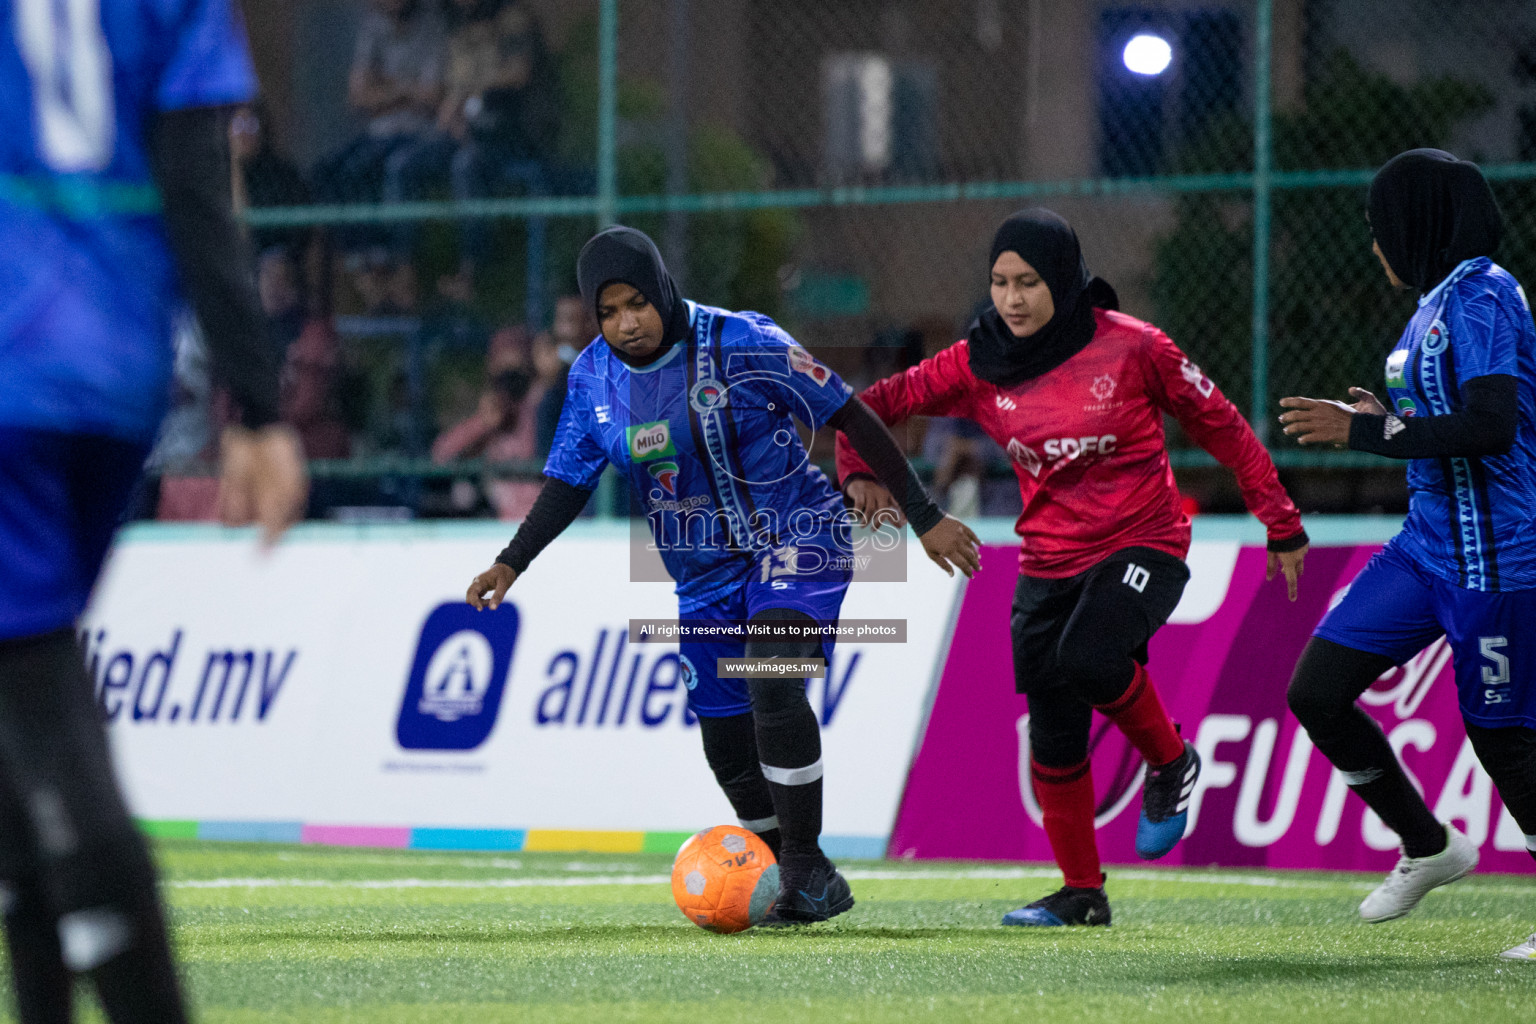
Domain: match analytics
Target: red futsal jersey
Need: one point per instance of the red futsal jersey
(1086, 441)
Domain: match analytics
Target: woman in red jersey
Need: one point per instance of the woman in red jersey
(1076, 392)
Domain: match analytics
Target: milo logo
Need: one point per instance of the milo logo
(650, 441)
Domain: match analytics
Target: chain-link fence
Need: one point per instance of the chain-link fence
(841, 166)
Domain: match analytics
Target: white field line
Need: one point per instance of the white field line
(853, 874)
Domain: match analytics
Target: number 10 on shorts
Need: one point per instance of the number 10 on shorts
(1136, 577)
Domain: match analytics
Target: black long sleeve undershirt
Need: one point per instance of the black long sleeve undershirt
(556, 507)
(1484, 425)
(873, 443)
(559, 503)
(189, 156)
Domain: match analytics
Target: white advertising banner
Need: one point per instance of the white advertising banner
(303, 685)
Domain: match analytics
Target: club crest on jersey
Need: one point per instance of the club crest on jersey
(650, 441)
(1102, 387)
(1025, 456)
(1436, 340)
(707, 396)
(665, 474)
(803, 362)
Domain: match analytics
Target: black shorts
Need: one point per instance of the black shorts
(1069, 632)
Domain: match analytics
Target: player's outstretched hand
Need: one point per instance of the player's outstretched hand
(873, 503)
(264, 480)
(1289, 563)
(1319, 420)
(951, 541)
(490, 587)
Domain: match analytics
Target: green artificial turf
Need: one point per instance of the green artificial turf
(308, 934)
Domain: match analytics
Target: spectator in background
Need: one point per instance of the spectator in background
(550, 376)
(553, 354)
(179, 485)
(310, 401)
(501, 430)
(397, 83)
(385, 285)
(282, 299)
(499, 108)
(958, 450)
(266, 178)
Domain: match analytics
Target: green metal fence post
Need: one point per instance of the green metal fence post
(1262, 160)
(607, 113)
(607, 167)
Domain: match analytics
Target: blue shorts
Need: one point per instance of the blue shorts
(61, 498)
(1396, 608)
(818, 595)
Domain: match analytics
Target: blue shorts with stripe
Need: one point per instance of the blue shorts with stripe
(817, 594)
(1396, 608)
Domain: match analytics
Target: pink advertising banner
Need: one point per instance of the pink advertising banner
(1266, 798)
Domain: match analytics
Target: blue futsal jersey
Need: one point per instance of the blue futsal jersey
(706, 437)
(1471, 521)
(88, 289)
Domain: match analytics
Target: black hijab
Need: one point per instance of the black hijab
(1430, 211)
(624, 254)
(1047, 243)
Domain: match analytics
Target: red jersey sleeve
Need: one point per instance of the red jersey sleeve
(1180, 388)
(939, 386)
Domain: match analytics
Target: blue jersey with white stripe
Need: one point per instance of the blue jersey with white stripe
(707, 440)
(1472, 521)
(88, 290)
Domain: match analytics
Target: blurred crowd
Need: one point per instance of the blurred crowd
(458, 99)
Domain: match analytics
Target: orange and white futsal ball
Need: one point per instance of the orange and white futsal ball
(725, 879)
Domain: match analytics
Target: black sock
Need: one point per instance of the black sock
(730, 747)
(1388, 792)
(1328, 680)
(789, 744)
(43, 986)
(139, 985)
(90, 857)
(1509, 757)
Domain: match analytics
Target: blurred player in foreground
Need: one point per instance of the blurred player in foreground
(1461, 394)
(1076, 392)
(696, 407)
(99, 105)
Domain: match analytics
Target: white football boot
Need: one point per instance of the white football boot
(1525, 951)
(1415, 876)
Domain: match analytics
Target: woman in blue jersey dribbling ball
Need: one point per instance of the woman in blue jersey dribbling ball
(1461, 405)
(696, 406)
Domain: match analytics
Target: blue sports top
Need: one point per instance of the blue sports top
(1471, 521)
(707, 440)
(88, 289)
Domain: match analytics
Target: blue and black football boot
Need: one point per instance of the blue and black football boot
(1165, 804)
(1066, 906)
(806, 897)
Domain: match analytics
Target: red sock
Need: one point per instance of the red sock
(1139, 714)
(1066, 802)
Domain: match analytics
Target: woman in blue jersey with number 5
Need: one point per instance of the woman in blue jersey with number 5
(697, 406)
(1461, 405)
